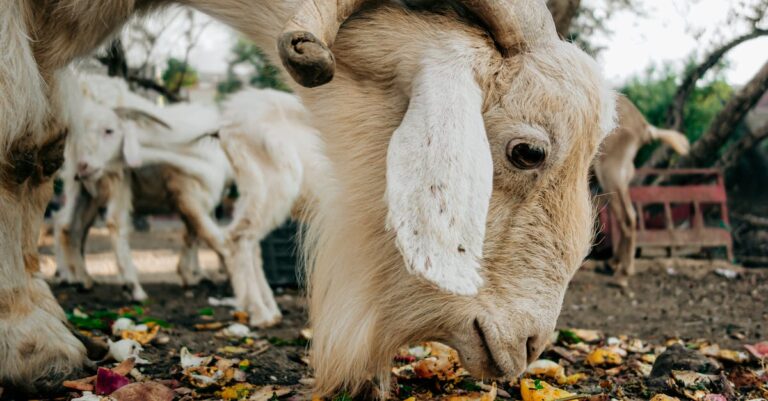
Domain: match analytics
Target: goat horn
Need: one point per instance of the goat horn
(516, 25)
(129, 113)
(306, 40)
(304, 46)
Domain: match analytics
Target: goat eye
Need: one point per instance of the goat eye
(525, 156)
(108, 131)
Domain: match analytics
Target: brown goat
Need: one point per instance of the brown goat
(615, 168)
(457, 205)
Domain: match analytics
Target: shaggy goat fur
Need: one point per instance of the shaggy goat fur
(364, 303)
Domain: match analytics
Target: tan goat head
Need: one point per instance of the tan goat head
(460, 209)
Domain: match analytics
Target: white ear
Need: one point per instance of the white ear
(439, 179)
(131, 146)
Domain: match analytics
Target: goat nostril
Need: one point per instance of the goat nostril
(82, 166)
(532, 348)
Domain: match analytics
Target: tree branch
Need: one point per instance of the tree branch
(675, 112)
(750, 140)
(705, 149)
(675, 117)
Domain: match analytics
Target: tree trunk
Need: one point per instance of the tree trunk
(704, 151)
(675, 113)
(749, 141)
(675, 118)
(114, 60)
(117, 66)
(563, 12)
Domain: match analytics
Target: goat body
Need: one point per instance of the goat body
(187, 173)
(277, 159)
(615, 168)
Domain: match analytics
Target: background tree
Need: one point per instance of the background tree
(261, 73)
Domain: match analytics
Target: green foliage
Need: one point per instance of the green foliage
(264, 75)
(654, 91)
(179, 74)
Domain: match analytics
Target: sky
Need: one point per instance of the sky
(667, 31)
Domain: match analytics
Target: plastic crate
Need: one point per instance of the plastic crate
(280, 254)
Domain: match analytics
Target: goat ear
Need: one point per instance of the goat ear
(131, 146)
(439, 179)
(139, 116)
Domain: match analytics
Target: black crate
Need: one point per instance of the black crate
(280, 254)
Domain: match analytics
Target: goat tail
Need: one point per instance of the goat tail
(23, 102)
(674, 139)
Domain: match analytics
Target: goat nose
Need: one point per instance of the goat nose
(533, 348)
(82, 166)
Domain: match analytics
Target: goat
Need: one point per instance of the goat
(457, 207)
(102, 160)
(615, 168)
(277, 159)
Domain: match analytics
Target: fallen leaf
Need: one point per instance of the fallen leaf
(122, 324)
(232, 350)
(88, 396)
(237, 392)
(664, 397)
(240, 316)
(648, 358)
(759, 350)
(587, 335)
(125, 366)
(732, 356)
(643, 369)
(604, 356)
(108, 381)
(474, 396)
(124, 349)
(80, 385)
(690, 379)
(714, 397)
(143, 337)
(575, 378)
(192, 361)
(536, 390)
(266, 393)
(147, 391)
(547, 368)
(209, 326)
(237, 330)
(306, 334)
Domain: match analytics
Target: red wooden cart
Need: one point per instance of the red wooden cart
(677, 215)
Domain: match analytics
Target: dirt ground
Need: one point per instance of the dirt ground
(673, 298)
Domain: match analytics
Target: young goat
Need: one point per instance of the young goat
(277, 159)
(102, 169)
(615, 168)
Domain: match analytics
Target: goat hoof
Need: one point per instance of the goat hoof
(40, 353)
(309, 61)
(265, 323)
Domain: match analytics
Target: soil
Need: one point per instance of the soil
(667, 299)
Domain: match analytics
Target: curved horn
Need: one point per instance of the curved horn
(516, 25)
(304, 46)
(305, 43)
(129, 113)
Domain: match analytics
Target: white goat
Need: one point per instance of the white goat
(277, 158)
(460, 155)
(192, 175)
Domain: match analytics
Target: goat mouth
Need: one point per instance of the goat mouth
(493, 364)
